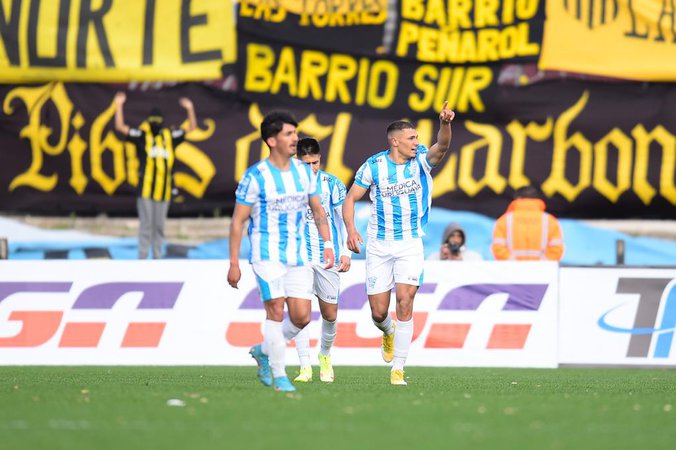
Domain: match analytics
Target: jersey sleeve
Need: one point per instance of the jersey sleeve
(247, 190)
(314, 185)
(177, 136)
(341, 231)
(136, 136)
(364, 177)
(422, 154)
(338, 192)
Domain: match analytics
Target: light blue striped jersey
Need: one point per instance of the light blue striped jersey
(401, 195)
(332, 193)
(278, 200)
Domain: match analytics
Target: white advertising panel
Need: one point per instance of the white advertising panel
(178, 312)
(617, 316)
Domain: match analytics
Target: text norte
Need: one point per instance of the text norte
(91, 35)
(507, 335)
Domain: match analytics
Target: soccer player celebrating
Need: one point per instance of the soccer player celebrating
(331, 192)
(275, 194)
(400, 188)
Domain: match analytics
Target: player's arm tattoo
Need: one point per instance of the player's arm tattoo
(319, 220)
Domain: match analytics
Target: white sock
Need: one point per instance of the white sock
(276, 346)
(328, 336)
(385, 326)
(303, 347)
(402, 342)
(289, 330)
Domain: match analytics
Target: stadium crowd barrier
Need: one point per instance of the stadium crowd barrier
(479, 314)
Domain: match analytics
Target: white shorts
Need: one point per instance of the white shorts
(326, 283)
(277, 280)
(390, 262)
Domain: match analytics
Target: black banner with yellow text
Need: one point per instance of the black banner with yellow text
(379, 87)
(356, 27)
(591, 154)
(384, 58)
(433, 31)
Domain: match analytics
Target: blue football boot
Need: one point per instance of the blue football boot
(264, 373)
(282, 384)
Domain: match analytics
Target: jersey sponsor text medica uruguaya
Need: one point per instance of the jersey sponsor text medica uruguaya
(279, 201)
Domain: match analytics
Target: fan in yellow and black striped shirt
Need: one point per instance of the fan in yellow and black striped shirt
(156, 150)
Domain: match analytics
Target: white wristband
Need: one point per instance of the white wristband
(328, 244)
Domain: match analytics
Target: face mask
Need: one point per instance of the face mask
(155, 127)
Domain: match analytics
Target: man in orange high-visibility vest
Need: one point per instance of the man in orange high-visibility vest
(525, 231)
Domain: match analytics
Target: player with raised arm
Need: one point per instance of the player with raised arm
(400, 186)
(275, 193)
(326, 287)
(156, 147)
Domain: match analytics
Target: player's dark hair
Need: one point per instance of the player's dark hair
(398, 126)
(307, 146)
(273, 123)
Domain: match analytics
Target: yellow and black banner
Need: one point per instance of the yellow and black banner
(629, 39)
(469, 31)
(271, 73)
(356, 27)
(433, 31)
(575, 140)
(115, 41)
(384, 58)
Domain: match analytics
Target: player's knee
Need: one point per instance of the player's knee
(274, 311)
(379, 316)
(275, 316)
(405, 298)
(330, 316)
(300, 322)
(405, 305)
(404, 316)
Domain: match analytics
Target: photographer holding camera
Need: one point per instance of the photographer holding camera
(453, 246)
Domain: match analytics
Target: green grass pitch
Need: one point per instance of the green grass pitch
(227, 408)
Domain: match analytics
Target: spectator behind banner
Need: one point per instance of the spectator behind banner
(525, 231)
(156, 152)
(453, 246)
